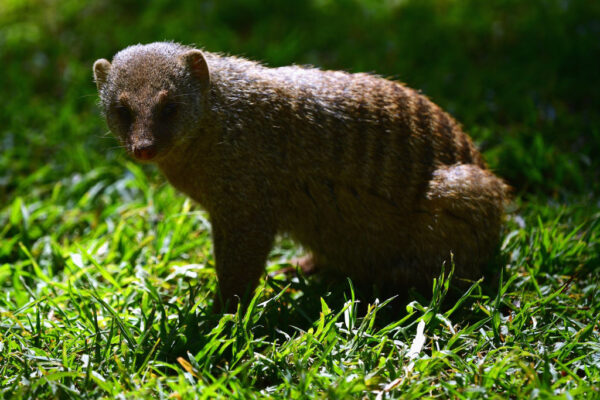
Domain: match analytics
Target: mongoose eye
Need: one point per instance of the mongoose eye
(124, 114)
(168, 110)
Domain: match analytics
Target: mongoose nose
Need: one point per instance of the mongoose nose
(145, 153)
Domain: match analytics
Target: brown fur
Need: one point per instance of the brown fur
(372, 177)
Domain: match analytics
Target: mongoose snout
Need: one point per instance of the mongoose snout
(144, 151)
(373, 178)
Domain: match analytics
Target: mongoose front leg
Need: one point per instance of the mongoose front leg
(241, 246)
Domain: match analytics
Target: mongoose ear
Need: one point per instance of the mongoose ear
(196, 63)
(101, 69)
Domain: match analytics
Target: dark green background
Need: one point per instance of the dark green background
(522, 76)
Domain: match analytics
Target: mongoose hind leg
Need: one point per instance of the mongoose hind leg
(461, 215)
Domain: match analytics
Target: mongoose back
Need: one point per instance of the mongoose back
(371, 177)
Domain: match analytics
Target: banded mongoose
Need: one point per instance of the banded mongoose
(371, 177)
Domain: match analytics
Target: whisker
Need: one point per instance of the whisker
(117, 147)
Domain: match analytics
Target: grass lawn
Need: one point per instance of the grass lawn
(107, 272)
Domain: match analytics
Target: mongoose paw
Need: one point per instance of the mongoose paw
(306, 264)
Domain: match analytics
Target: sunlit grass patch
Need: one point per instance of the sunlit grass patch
(108, 286)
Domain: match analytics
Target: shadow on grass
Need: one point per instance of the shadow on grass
(287, 308)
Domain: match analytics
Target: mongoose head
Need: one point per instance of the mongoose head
(152, 96)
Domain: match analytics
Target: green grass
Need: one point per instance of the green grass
(111, 292)
(106, 273)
